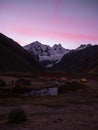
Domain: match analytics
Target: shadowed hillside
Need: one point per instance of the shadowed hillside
(13, 57)
(85, 60)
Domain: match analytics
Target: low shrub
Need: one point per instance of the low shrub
(17, 116)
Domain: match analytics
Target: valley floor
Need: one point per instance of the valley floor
(77, 110)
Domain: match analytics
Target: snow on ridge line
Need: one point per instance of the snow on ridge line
(52, 54)
(45, 52)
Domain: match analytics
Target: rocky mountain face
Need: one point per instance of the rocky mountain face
(15, 58)
(47, 55)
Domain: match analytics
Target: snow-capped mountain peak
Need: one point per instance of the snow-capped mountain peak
(37, 48)
(45, 52)
(57, 45)
(59, 49)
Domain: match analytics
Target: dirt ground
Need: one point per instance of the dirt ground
(77, 110)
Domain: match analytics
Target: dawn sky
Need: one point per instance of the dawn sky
(69, 22)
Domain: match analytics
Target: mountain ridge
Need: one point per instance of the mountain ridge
(48, 56)
(56, 58)
(79, 61)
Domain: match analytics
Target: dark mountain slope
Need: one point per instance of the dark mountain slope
(13, 57)
(93, 67)
(79, 61)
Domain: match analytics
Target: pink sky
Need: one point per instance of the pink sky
(69, 22)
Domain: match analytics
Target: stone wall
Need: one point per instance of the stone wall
(44, 92)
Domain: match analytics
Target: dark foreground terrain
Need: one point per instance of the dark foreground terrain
(76, 110)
